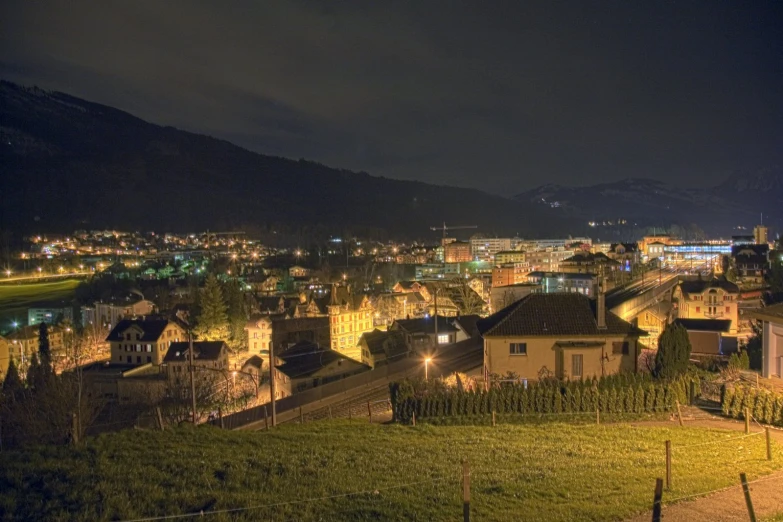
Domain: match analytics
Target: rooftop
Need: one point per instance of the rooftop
(305, 359)
(151, 329)
(202, 350)
(552, 315)
(705, 325)
(427, 325)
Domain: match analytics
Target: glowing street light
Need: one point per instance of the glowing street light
(427, 368)
(8, 273)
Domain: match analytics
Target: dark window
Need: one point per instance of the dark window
(130, 358)
(138, 358)
(149, 359)
(620, 348)
(517, 348)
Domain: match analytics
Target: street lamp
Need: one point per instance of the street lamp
(8, 273)
(427, 368)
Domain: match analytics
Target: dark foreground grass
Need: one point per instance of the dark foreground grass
(358, 471)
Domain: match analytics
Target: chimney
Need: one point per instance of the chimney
(600, 306)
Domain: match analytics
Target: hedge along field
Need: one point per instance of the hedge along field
(616, 394)
(765, 406)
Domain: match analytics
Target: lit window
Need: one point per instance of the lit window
(443, 338)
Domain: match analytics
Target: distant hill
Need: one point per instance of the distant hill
(737, 202)
(67, 163)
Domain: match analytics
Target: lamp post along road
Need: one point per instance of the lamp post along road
(192, 375)
(427, 368)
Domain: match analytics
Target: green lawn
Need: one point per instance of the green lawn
(545, 471)
(15, 299)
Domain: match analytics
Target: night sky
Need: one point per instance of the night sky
(503, 96)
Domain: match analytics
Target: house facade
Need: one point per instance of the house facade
(350, 316)
(771, 318)
(23, 343)
(210, 358)
(142, 341)
(567, 336)
(708, 299)
(380, 348)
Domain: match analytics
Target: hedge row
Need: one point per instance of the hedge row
(542, 398)
(765, 406)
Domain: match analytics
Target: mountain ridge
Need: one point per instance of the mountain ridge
(120, 171)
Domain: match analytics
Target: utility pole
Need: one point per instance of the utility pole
(436, 318)
(192, 375)
(272, 382)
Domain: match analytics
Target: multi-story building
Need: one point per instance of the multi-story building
(567, 336)
(350, 316)
(664, 239)
(509, 274)
(23, 343)
(548, 260)
(485, 248)
(760, 234)
(457, 252)
(142, 341)
(708, 299)
(555, 282)
(37, 316)
(5, 357)
(544, 244)
(589, 263)
(509, 256)
(110, 313)
(281, 331)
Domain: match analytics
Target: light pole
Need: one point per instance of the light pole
(427, 368)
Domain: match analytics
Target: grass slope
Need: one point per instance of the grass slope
(16, 299)
(545, 471)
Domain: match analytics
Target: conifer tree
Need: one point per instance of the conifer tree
(12, 383)
(44, 351)
(674, 351)
(212, 322)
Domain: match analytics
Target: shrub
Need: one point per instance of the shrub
(727, 396)
(576, 401)
(659, 404)
(628, 403)
(744, 360)
(557, 404)
(638, 399)
(674, 351)
(649, 398)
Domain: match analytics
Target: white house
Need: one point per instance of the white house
(772, 334)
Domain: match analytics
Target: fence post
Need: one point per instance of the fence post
(220, 416)
(465, 490)
(369, 411)
(668, 465)
(769, 444)
(301, 416)
(747, 421)
(160, 417)
(266, 419)
(349, 411)
(657, 500)
(679, 413)
(413, 418)
(597, 416)
(748, 500)
(493, 418)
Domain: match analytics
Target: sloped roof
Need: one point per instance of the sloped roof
(468, 324)
(426, 325)
(768, 313)
(699, 286)
(705, 325)
(553, 315)
(152, 329)
(202, 351)
(392, 343)
(299, 363)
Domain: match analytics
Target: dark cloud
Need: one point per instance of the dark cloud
(503, 96)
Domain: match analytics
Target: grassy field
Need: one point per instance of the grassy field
(16, 299)
(358, 471)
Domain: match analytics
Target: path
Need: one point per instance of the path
(727, 505)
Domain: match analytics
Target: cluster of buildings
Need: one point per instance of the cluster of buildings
(539, 308)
